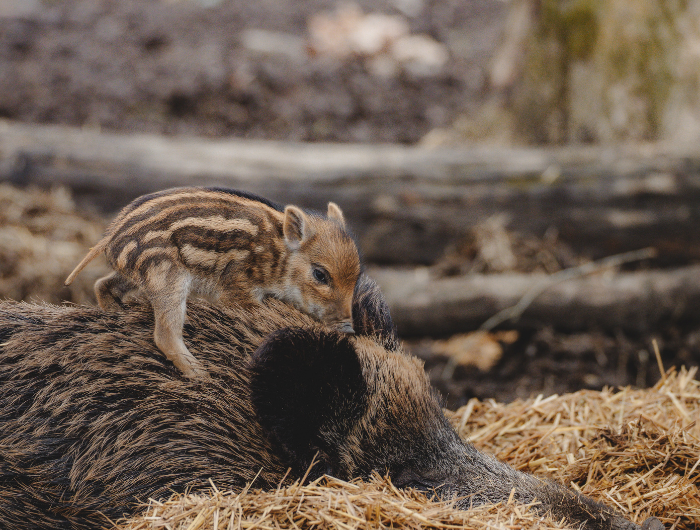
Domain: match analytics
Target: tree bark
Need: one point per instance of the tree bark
(406, 204)
(634, 301)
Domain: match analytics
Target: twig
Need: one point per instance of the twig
(514, 312)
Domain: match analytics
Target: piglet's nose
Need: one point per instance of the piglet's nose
(346, 327)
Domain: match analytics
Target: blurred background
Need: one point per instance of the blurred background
(522, 176)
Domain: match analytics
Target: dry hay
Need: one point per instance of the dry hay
(638, 450)
(635, 449)
(42, 238)
(327, 503)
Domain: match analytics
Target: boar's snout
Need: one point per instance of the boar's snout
(652, 523)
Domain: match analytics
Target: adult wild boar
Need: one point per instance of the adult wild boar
(93, 417)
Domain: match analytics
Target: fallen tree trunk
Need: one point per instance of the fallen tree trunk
(634, 301)
(406, 204)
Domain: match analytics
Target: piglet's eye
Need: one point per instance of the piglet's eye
(320, 275)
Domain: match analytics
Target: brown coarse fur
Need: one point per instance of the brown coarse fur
(231, 247)
(93, 419)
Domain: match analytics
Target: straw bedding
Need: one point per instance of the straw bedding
(42, 237)
(635, 449)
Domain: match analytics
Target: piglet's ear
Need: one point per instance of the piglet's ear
(334, 212)
(295, 228)
(306, 384)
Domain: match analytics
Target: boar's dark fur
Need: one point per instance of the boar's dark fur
(93, 418)
(371, 316)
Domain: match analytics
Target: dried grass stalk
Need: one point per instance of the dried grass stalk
(327, 503)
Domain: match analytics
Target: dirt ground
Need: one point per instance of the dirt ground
(545, 360)
(550, 361)
(235, 68)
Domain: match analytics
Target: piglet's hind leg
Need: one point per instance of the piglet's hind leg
(169, 303)
(111, 291)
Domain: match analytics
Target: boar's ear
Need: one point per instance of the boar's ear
(334, 212)
(370, 314)
(295, 227)
(306, 383)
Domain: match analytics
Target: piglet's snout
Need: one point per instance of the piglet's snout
(346, 327)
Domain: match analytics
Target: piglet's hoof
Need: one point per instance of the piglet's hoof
(652, 523)
(200, 374)
(193, 371)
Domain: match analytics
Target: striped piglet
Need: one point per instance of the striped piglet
(231, 247)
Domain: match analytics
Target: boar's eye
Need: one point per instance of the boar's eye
(417, 485)
(321, 275)
(410, 479)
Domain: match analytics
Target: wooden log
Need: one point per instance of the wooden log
(406, 204)
(636, 302)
